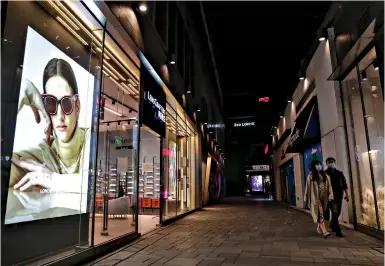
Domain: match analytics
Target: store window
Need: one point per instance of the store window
(364, 111)
(48, 64)
(115, 197)
(170, 165)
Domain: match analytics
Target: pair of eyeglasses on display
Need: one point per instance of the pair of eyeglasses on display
(51, 103)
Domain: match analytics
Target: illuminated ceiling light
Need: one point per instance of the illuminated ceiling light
(105, 73)
(142, 7)
(133, 88)
(132, 82)
(113, 111)
(53, 4)
(127, 89)
(110, 72)
(172, 59)
(280, 115)
(114, 70)
(323, 34)
(363, 75)
(288, 99)
(375, 64)
(71, 30)
(198, 110)
(301, 74)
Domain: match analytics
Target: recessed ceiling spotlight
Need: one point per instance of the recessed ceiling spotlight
(142, 7)
(375, 64)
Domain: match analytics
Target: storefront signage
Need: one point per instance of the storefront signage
(261, 167)
(294, 137)
(244, 124)
(154, 104)
(215, 126)
(266, 149)
(160, 111)
(167, 152)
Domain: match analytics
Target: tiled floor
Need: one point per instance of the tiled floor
(247, 232)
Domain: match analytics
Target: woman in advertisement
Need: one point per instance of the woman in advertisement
(56, 164)
(319, 191)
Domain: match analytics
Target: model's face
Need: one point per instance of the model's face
(63, 125)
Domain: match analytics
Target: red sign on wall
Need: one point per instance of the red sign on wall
(264, 99)
(167, 152)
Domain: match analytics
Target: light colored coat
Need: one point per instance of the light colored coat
(312, 193)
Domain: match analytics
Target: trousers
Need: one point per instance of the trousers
(335, 207)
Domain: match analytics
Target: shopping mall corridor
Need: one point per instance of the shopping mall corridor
(247, 231)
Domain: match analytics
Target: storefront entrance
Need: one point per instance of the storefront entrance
(288, 183)
(149, 180)
(364, 116)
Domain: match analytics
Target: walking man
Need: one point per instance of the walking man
(338, 182)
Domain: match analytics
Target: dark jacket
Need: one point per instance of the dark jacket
(338, 182)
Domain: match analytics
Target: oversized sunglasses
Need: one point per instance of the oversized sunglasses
(67, 103)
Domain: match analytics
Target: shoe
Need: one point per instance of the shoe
(339, 235)
(326, 235)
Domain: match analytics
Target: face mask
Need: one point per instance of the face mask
(318, 167)
(332, 165)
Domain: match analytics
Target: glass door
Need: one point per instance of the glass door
(364, 114)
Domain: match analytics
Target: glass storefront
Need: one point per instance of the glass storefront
(364, 113)
(80, 167)
(179, 164)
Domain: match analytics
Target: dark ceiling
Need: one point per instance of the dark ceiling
(258, 48)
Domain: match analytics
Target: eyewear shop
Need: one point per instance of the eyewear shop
(86, 168)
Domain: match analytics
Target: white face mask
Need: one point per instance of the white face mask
(332, 165)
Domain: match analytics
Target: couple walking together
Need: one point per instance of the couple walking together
(324, 190)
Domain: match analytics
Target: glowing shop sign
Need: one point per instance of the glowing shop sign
(261, 167)
(215, 126)
(161, 112)
(244, 124)
(294, 137)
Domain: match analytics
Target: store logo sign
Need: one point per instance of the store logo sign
(294, 137)
(215, 126)
(160, 113)
(167, 152)
(261, 167)
(244, 124)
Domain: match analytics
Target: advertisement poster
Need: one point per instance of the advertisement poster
(172, 170)
(256, 183)
(51, 150)
(313, 153)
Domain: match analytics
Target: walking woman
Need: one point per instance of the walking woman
(319, 192)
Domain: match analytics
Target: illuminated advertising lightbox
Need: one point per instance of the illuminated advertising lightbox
(51, 150)
(256, 183)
